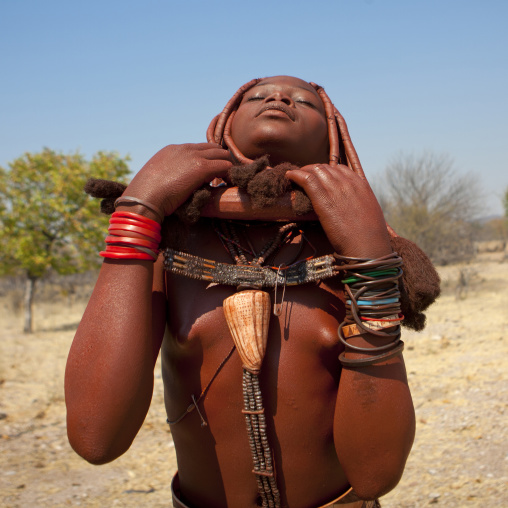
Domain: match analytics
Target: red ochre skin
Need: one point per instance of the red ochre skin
(329, 427)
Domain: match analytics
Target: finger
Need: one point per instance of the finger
(203, 146)
(217, 153)
(338, 167)
(312, 177)
(219, 164)
(332, 178)
(215, 168)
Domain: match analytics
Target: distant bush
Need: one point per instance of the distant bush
(425, 200)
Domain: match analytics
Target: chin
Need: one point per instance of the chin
(277, 155)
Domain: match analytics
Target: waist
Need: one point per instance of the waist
(347, 499)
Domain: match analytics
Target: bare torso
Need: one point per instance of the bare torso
(299, 380)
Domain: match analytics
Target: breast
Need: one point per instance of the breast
(302, 339)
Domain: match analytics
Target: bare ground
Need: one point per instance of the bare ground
(457, 370)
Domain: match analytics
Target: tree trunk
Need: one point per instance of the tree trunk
(29, 297)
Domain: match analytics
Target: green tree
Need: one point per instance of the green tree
(47, 222)
(505, 203)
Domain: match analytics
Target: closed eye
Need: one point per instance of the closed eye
(303, 101)
(255, 98)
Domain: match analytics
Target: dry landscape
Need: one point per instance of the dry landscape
(457, 371)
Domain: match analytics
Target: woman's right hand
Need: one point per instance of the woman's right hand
(173, 173)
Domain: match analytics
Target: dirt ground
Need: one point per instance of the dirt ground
(457, 371)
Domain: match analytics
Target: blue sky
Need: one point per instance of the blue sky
(133, 76)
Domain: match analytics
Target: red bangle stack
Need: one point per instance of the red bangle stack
(132, 236)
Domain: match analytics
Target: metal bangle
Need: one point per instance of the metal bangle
(141, 202)
(360, 349)
(365, 362)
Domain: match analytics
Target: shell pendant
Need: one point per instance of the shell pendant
(248, 317)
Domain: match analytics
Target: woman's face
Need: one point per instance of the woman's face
(283, 117)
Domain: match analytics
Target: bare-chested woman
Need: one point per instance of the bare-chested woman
(330, 426)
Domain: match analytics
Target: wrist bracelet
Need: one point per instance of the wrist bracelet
(126, 255)
(371, 349)
(137, 216)
(115, 219)
(121, 229)
(111, 249)
(121, 240)
(156, 210)
(372, 324)
(132, 236)
(365, 362)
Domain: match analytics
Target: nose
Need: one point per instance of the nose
(280, 96)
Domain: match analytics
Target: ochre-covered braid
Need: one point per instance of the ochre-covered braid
(231, 106)
(333, 132)
(211, 130)
(351, 154)
(228, 140)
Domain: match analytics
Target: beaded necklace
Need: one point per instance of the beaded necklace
(247, 314)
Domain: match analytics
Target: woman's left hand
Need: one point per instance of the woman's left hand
(347, 209)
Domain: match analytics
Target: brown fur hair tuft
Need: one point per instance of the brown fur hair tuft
(241, 174)
(267, 186)
(108, 190)
(190, 211)
(420, 282)
(264, 185)
(301, 203)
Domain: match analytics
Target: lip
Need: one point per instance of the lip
(278, 106)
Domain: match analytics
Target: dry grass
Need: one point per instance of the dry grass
(457, 369)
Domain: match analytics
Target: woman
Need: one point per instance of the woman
(333, 431)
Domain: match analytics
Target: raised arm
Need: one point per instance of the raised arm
(374, 421)
(109, 374)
